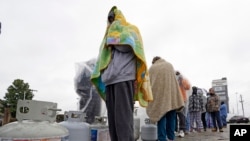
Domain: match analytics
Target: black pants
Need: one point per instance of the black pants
(120, 105)
(180, 121)
(203, 119)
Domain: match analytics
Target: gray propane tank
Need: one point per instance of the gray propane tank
(36, 122)
(78, 129)
(99, 130)
(136, 124)
(149, 131)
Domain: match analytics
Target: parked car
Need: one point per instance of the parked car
(229, 116)
(238, 119)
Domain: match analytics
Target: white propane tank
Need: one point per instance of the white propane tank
(149, 131)
(36, 122)
(99, 130)
(136, 124)
(78, 129)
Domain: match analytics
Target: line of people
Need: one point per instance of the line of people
(121, 77)
(204, 111)
(175, 111)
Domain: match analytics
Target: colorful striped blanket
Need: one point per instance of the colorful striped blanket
(124, 33)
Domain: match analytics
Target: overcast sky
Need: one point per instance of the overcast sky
(42, 40)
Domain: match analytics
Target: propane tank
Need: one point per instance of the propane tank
(36, 122)
(136, 125)
(149, 131)
(78, 129)
(99, 130)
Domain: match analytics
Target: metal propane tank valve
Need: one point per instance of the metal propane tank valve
(36, 121)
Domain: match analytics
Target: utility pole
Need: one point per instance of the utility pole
(237, 103)
(241, 101)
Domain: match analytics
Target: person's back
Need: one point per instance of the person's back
(184, 85)
(223, 114)
(167, 98)
(223, 109)
(165, 84)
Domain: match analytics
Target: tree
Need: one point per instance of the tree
(18, 90)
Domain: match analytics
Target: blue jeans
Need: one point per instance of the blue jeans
(216, 119)
(166, 126)
(209, 120)
(224, 120)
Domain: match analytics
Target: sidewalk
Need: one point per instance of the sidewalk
(205, 136)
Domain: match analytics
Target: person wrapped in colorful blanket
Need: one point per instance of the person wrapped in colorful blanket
(120, 75)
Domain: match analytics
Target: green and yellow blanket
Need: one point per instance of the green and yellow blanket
(120, 32)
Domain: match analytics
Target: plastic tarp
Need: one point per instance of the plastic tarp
(90, 101)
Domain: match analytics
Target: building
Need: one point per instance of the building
(221, 89)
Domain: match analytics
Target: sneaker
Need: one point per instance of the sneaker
(181, 134)
(176, 134)
(221, 130)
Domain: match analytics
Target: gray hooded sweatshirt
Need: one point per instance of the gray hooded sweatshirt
(122, 66)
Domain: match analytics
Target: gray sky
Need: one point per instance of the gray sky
(42, 40)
